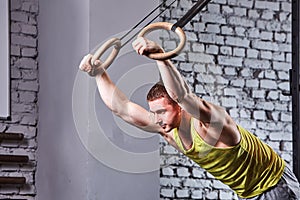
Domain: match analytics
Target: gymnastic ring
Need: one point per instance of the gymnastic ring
(167, 26)
(116, 42)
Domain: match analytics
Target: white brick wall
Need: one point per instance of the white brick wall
(239, 57)
(24, 89)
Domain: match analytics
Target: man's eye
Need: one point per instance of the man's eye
(161, 112)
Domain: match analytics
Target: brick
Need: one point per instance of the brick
(237, 83)
(170, 150)
(183, 172)
(253, 83)
(266, 35)
(214, 8)
(282, 66)
(253, 14)
(187, 67)
(230, 71)
(257, 44)
(267, 14)
(268, 84)
(266, 55)
(258, 94)
(287, 146)
(15, 27)
(259, 115)
(280, 37)
(212, 195)
(191, 36)
(197, 47)
(237, 42)
(285, 86)
(167, 192)
(200, 57)
(28, 97)
(278, 56)
(182, 193)
(198, 173)
(286, 117)
(19, 16)
(29, 86)
(168, 182)
(168, 171)
(196, 194)
(286, 6)
(283, 75)
(257, 64)
(225, 50)
(245, 114)
(27, 41)
(15, 50)
(28, 29)
(211, 39)
(273, 26)
(226, 195)
(29, 52)
(213, 18)
(284, 47)
(26, 63)
(273, 95)
(240, 21)
(29, 120)
(252, 53)
(212, 49)
(15, 4)
(212, 28)
(241, 12)
(226, 30)
(267, 5)
(270, 74)
(245, 3)
(230, 61)
(231, 92)
(226, 10)
(219, 185)
(228, 102)
(214, 69)
(240, 52)
(234, 113)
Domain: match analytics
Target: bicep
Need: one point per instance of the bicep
(138, 116)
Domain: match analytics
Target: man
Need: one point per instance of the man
(202, 131)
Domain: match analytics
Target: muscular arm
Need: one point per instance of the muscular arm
(118, 103)
(178, 89)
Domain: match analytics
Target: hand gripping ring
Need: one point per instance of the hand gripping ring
(116, 42)
(167, 26)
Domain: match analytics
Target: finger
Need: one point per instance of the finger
(137, 47)
(142, 49)
(84, 61)
(97, 63)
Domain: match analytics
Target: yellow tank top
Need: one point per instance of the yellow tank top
(249, 168)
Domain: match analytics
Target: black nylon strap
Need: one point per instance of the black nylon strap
(190, 14)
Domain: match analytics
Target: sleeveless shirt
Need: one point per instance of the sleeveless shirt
(249, 168)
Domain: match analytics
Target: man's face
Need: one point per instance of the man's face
(165, 114)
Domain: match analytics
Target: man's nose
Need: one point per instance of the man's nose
(157, 118)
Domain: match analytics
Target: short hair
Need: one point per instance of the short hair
(159, 91)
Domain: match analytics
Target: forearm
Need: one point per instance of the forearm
(180, 92)
(114, 98)
(173, 81)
